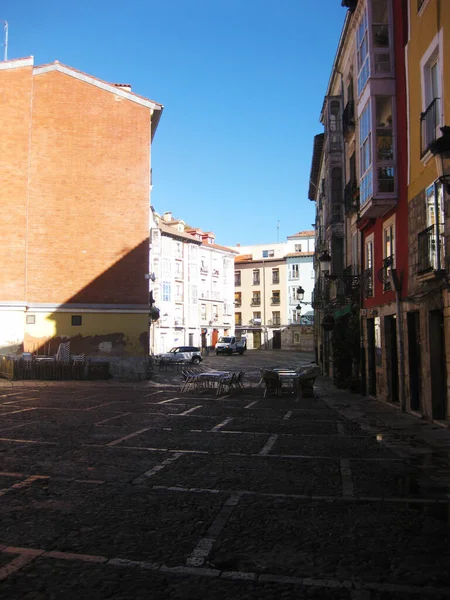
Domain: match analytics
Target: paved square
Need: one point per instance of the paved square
(113, 490)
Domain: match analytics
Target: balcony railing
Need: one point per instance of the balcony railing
(368, 283)
(237, 281)
(351, 196)
(431, 254)
(275, 300)
(348, 117)
(238, 302)
(238, 322)
(296, 321)
(274, 322)
(256, 281)
(294, 275)
(429, 122)
(215, 272)
(255, 302)
(388, 263)
(337, 213)
(178, 322)
(276, 279)
(204, 270)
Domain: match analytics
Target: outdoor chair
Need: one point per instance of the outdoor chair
(272, 383)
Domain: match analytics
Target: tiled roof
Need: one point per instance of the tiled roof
(291, 254)
(243, 258)
(172, 231)
(56, 62)
(308, 233)
(208, 245)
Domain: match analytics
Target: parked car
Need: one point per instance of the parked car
(189, 354)
(229, 344)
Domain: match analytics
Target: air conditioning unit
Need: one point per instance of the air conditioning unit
(363, 312)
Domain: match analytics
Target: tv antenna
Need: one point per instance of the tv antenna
(5, 44)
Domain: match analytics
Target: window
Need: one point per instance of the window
(178, 292)
(238, 318)
(178, 270)
(257, 316)
(294, 272)
(203, 312)
(431, 240)
(275, 276)
(380, 37)
(166, 267)
(298, 247)
(276, 318)
(256, 277)
(215, 314)
(362, 53)
(430, 119)
(388, 251)
(365, 152)
(368, 273)
(237, 298)
(256, 299)
(31, 319)
(296, 339)
(276, 297)
(77, 320)
(166, 291)
(268, 253)
(237, 278)
(178, 249)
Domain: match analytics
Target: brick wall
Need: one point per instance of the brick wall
(89, 194)
(15, 95)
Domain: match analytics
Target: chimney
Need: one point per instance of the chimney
(167, 216)
(126, 87)
(238, 245)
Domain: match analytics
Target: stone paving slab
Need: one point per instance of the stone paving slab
(346, 447)
(104, 464)
(351, 541)
(280, 475)
(48, 578)
(201, 442)
(107, 520)
(282, 425)
(393, 479)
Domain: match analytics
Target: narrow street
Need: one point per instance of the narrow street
(114, 490)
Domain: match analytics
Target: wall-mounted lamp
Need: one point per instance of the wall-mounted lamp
(325, 262)
(440, 148)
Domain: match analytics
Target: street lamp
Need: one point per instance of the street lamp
(325, 262)
(440, 149)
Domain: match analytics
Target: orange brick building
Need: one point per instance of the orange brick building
(75, 172)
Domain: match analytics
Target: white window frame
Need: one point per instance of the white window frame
(433, 54)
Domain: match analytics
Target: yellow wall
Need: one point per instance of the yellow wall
(423, 28)
(100, 333)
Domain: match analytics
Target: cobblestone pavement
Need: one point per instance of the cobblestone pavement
(133, 490)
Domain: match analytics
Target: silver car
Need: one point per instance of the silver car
(188, 354)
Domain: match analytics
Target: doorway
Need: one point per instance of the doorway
(414, 360)
(390, 330)
(256, 339)
(276, 339)
(191, 339)
(437, 364)
(371, 363)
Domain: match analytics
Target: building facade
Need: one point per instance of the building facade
(426, 307)
(392, 126)
(268, 308)
(75, 156)
(192, 286)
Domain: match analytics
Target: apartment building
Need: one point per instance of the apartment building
(269, 308)
(192, 285)
(426, 307)
(75, 169)
(386, 113)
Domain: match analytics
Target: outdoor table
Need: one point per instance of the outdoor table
(286, 375)
(212, 378)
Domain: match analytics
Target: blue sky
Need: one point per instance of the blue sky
(242, 83)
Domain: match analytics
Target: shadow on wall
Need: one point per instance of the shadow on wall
(114, 319)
